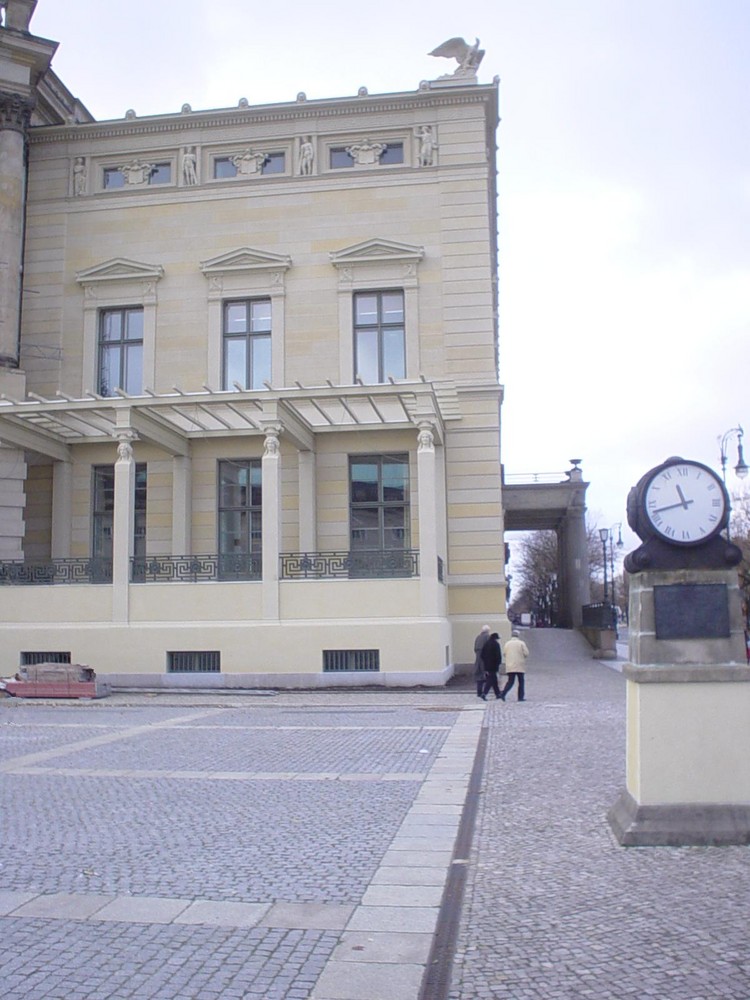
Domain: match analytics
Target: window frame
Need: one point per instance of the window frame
(381, 504)
(250, 339)
(237, 564)
(126, 345)
(381, 328)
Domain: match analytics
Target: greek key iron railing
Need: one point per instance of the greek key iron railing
(349, 565)
(195, 569)
(56, 571)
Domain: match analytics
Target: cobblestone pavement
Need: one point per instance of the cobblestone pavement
(296, 847)
(555, 908)
(183, 847)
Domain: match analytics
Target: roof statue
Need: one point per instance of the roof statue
(467, 56)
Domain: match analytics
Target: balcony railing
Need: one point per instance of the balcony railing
(195, 569)
(349, 565)
(203, 568)
(56, 571)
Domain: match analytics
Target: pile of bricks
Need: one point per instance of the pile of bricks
(55, 680)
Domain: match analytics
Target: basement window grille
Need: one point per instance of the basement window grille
(194, 661)
(31, 659)
(336, 660)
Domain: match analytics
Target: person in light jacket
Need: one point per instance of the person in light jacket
(492, 657)
(515, 652)
(478, 665)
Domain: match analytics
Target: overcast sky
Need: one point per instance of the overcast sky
(624, 179)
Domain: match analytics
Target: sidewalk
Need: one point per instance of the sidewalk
(555, 907)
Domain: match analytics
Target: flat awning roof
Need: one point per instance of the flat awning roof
(172, 419)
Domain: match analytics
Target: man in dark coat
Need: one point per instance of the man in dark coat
(492, 657)
(479, 642)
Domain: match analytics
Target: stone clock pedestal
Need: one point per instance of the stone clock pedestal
(688, 712)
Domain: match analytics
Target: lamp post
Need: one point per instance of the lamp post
(604, 535)
(740, 469)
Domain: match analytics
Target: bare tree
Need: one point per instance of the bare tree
(535, 567)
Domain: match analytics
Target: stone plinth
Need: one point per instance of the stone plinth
(688, 715)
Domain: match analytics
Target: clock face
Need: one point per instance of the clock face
(685, 503)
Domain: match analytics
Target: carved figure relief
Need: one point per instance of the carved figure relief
(189, 162)
(136, 172)
(467, 56)
(427, 145)
(271, 442)
(79, 176)
(249, 163)
(306, 156)
(365, 153)
(426, 437)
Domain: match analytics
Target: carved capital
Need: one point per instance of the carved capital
(15, 112)
(271, 442)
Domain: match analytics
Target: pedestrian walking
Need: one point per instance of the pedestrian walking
(515, 652)
(479, 642)
(492, 657)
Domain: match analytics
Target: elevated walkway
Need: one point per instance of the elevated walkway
(559, 506)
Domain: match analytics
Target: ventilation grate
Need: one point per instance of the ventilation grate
(335, 660)
(31, 659)
(194, 661)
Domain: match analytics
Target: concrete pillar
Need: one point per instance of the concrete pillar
(271, 520)
(15, 114)
(62, 509)
(573, 572)
(182, 507)
(307, 504)
(123, 525)
(428, 531)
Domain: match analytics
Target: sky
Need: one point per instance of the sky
(623, 178)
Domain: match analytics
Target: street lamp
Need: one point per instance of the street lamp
(612, 543)
(740, 469)
(604, 535)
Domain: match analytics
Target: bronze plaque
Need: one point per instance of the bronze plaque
(692, 611)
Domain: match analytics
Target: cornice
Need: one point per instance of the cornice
(301, 111)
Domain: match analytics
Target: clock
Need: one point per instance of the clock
(683, 503)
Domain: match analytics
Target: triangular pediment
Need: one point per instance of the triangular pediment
(246, 259)
(120, 269)
(376, 250)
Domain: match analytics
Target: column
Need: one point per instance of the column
(15, 114)
(123, 525)
(271, 520)
(427, 497)
(574, 567)
(182, 506)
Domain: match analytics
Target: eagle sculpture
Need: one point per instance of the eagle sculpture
(467, 56)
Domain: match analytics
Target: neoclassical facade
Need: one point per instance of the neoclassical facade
(249, 410)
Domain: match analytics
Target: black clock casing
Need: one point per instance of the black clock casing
(678, 510)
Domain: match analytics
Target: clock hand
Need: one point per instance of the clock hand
(681, 495)
(673, 506)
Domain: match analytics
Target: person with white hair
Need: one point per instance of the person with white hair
(515, 652)
(479, 642)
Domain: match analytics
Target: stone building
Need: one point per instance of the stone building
(250, 413)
